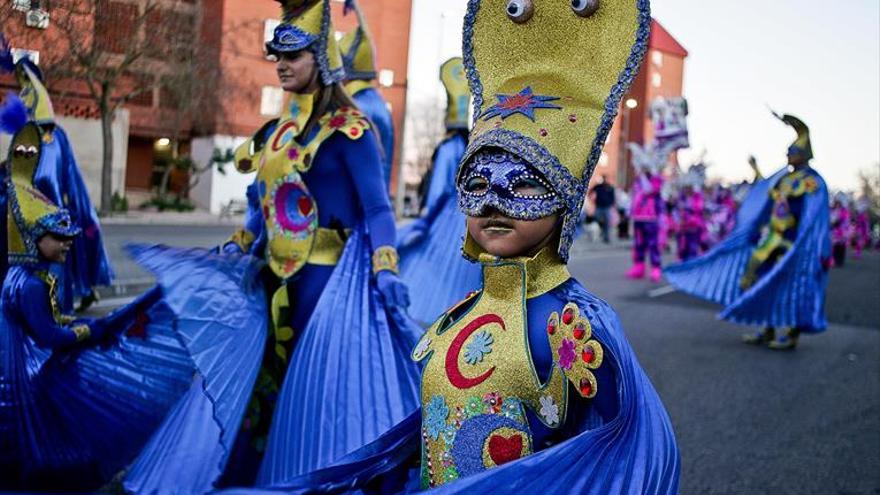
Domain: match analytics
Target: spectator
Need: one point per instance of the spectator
(603, 198)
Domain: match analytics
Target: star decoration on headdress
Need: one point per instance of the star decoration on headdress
(525, 102)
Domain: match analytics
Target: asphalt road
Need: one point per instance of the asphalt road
(748, 420)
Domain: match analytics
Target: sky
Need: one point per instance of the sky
(818, 60)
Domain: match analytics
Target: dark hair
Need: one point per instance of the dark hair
(329, 98)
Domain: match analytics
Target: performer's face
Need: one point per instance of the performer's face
(795, 157)
(297, 72)
(54, 248)
(507, 237)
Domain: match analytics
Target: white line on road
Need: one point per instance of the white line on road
(661, 291)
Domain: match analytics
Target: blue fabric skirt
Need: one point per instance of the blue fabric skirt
(350, 378)
(433, 267)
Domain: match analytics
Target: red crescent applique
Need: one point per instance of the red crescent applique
(457, 379)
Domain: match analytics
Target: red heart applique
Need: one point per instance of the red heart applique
(305, 205)
(503, 450)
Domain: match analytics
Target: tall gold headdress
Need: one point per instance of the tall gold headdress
(547, 77)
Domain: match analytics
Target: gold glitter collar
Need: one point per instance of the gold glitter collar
(544, 271)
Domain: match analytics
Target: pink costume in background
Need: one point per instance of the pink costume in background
(840, 228)
(861, 226)
(647, 206)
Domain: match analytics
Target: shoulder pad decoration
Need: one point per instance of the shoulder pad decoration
(574, 351)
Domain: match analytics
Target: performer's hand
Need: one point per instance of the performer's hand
(392, 289)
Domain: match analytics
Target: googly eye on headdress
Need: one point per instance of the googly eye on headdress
(520, 11)
(585, 8)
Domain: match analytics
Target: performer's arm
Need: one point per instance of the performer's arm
(41, 324)
(363, 161)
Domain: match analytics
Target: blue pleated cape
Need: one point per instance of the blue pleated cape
(433, 266)
(792, 293)
(75, 418)
(633, 453)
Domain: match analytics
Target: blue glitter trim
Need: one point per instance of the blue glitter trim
(470, 63)
(288, 38)
(328, 76)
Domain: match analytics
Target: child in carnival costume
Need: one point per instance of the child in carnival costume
(335, 370)
(529, 384)
(58, 177)
(772, 269)
(359, 60)
(79, 398)
(841, 227)
(862, 226)
(690, 211)
(429, 242)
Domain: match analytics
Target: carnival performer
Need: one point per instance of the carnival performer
(723, 214)
(320, 218)
(772, 270)
(359, 60)
(647, 208)
(532, 374)
(862, 226)
(79, 397)
(690, 213)
(841, 228)
(58, 177)
(429, 242)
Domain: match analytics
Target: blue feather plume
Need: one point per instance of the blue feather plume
(7, 63)
(13, 114)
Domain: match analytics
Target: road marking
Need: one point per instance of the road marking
(661, 291)
(112, 303)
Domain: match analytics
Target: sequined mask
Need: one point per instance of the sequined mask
(496, 179)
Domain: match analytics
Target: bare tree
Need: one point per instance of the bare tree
(426, 127)
(111, 51)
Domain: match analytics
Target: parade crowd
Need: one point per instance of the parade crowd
(320, 349)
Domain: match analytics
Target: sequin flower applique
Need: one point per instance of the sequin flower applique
(435, 416)
(477, 349)
(549, 410)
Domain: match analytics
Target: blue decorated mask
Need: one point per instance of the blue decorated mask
(496, 179)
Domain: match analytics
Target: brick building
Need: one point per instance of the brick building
(662, 74)
(232, 34)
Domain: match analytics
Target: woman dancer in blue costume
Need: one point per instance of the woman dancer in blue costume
(335, 370)
(79, 398)
(772, 269)
(359, 60)
(529, 385)
(430, 255)
(58, 178)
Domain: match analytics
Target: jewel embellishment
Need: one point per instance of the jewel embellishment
(525, 102)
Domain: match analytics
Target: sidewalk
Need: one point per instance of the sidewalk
(171, 218)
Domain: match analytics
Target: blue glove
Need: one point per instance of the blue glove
(393, 291)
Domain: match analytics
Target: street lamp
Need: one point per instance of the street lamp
(622, 161)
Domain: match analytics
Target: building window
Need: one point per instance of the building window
(269, 29)
(271, 101)
(20, 53)
(657, 58)
(386, 78)
(656, 80)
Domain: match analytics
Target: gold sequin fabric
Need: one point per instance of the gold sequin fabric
(479, 378)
